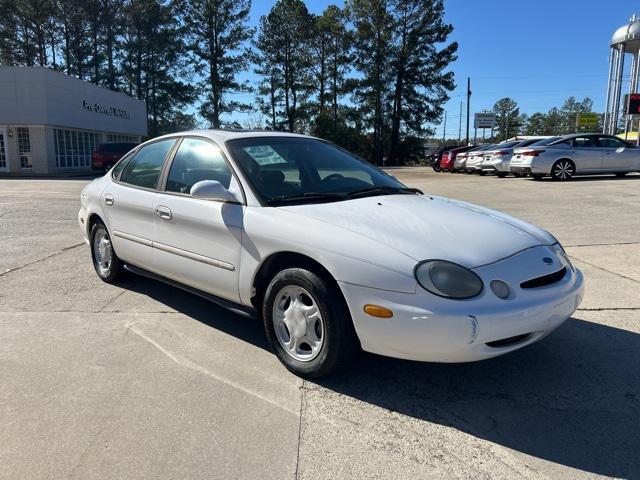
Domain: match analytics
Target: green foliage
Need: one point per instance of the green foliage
(217, 37)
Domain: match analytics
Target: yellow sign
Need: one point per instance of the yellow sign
(588, 119)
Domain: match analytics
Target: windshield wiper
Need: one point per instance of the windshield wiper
(303, 198)
(383, 190)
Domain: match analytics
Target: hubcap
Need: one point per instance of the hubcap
(102, 251)
(298, 323)
(564, 170)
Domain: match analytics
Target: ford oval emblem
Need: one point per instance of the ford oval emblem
(548, 260)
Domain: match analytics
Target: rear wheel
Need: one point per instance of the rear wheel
(501, 174)
(436, 168)
(105, 261)
(563, 170)
(308, 323)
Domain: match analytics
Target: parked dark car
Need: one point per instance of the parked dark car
(107, 154)
(449, 157)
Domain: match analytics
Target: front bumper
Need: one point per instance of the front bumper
(432, 329)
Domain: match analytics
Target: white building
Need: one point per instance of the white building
(51, 122)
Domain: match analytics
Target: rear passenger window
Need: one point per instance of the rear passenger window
(144, 168)
(584, 142)
(197, 160)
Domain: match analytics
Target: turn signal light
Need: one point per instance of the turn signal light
(377, 311)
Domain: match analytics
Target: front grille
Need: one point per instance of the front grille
(505, 342)
(545, 280)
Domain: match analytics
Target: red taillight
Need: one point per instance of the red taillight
(532, 153)
(500, 153)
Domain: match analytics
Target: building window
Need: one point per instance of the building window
(74, 148)
(116, 138)
(3, 158)
(24, 147)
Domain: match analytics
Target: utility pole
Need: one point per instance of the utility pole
(444, 128)
(460, 125)
(468, 107)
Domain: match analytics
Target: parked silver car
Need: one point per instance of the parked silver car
(497, 160)
(577, 154)
(474, 159)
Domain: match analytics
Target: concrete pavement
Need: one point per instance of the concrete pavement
(139, 380)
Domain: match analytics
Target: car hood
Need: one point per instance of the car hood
(428, 227)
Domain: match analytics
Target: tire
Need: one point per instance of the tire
(536, 176)
(621, 174)
(436, 168)
(105, 261)
(332, 342)
(467, 171)
(501, 174)
(482, 173)
(563, 170)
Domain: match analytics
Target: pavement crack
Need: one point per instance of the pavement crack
(112, 301)
(606, 309)
(600, 244)
(299, 430)
(605, 269)
(28, 264)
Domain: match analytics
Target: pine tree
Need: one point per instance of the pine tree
(421, 79)
(284, 53)
(372, 42)
(218, 36)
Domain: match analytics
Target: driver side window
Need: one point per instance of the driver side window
(197, 160)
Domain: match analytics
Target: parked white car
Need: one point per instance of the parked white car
(498, 159)
(331, 252)
(580, 154)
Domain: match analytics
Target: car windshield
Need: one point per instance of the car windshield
(286, 170)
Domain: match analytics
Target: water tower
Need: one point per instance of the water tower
(625, 40)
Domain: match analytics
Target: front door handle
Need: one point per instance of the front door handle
(109, 200)
(163, 212)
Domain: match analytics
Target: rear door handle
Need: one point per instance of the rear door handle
(163, 212)
(109, 200)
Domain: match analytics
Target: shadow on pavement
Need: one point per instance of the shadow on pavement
(572, 399)
(246, 329)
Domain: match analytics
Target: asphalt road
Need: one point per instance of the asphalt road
(140, 380)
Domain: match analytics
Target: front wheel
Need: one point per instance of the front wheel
(308, 324)
(563, 170)
(436, 168)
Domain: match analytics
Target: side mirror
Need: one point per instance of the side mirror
(212, 190)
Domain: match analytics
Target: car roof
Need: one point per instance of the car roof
(222, 135)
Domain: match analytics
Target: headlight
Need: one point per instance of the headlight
(448, 279)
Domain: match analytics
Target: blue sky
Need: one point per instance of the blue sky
(537, 52)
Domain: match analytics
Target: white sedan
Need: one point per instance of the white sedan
(333, 254)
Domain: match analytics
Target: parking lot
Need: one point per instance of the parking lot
(140, 380)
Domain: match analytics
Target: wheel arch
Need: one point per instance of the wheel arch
(281, 260)
(91, 221)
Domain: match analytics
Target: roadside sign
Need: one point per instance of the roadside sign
(632, 104)
(587, 120)
(484, 120)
